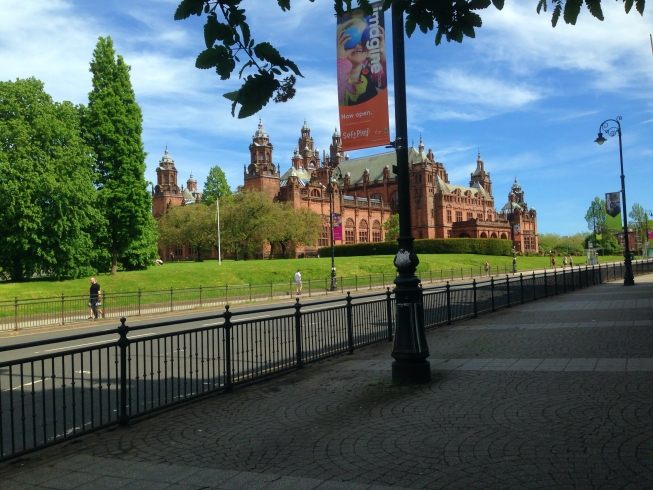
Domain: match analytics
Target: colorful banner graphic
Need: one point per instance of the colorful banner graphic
(362, 79)
(337, 227)
(649, 234)
(516, 230)
(613, 210)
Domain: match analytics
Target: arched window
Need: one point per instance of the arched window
(350, 236)
(376, 231)
(483, 235)
(312, 164)
(464, 235)
(504, 236)
(363, 231)
(494, 235)
(315, 193)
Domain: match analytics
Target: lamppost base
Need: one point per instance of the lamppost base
(629, 281)
(411, 372)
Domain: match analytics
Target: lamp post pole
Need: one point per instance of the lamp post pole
(334, 280)
(607, 127)
(410, 349)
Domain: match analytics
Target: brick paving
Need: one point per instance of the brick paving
(554, 393)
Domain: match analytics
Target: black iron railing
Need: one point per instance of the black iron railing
(110, 377)
(19, 313)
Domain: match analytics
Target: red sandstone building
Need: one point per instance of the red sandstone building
(363, 192)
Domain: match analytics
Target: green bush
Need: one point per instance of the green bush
(481, 246)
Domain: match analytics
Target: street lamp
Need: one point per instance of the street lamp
(410, 349)
(332, 185)
(608, 127)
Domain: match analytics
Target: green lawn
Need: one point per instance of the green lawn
(209, 273)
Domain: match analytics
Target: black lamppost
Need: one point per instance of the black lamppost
(608, 127)
(332, 184)
(410, 349)
(646, 215)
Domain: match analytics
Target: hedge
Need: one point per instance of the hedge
(481, 246)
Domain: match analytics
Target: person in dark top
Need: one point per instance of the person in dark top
(94, 299)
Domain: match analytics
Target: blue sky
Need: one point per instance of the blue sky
(529, 97)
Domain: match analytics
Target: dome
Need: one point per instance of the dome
(336, 134)
(166, 157)
(191, 179)
(260, 132)
(305, 126)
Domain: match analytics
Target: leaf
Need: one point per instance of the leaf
(187, 8)
(266, 52)
(572, 9)
(211, 30)
(639, 6)
(594, 6)
(219, 57)
(628, 4)
(284, 4)
(556, 15)
(498, 4)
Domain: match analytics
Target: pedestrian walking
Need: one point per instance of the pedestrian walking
(571, 261)
(553, 262)
(564, 262)
(487, 269)
(94, 300)
(298, 282)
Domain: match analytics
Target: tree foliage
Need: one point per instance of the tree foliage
(215, 187)
(596, 217)
(192, 224)
(112, 126)
(391, 227)
(46, 186)
(265, 73)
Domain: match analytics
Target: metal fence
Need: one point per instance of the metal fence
(114, 376)
(38, 312)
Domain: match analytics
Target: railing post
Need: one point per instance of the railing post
(356, 276)
(448, 303)
(298, 333)
(250, 292)
(226, 293)
(383, 278)
(534, 288)
(350, 326)
(309, 288)
(492, 292)
(555, 282)
(431, 275)
(388, 308)
(600, 274)
(271, 293)
(508, 289)
(139, 301)
(370, 281)
(580, 277)
(521, 286)
(228, 371)
(573, 286)
(200, 295)
(546, 289)
(564, 281)
(475, 307)
(123, 344)
(342, 285)
(63, 310)
(15, 312)
(170, 299)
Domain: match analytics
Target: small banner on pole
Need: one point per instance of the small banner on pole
(337, 227)
(613, 210)
(362, 79)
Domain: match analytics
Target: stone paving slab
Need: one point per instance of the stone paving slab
(564, 403)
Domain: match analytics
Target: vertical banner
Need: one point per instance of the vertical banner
(362, 79)
(649, 234)
(613, 210)
(516, 230)
(337, 227)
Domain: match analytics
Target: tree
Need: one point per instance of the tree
(596, 218)
(47, 195)
(289, 227)
(638, 217)
(215, 186)
(227, 37)
(391, 227)
(246, 218)
(192, 224)
(112, 126)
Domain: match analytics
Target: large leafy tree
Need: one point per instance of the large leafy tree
(47, 195)
(638, 221)
(216, 186)
(112, 126)
(289, 227)
(192, 224)
(246, 219)
(267, 74)
(596, 219)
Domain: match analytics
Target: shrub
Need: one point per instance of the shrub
(481, 246)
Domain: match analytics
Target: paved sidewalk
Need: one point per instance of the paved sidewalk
(554, 393)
